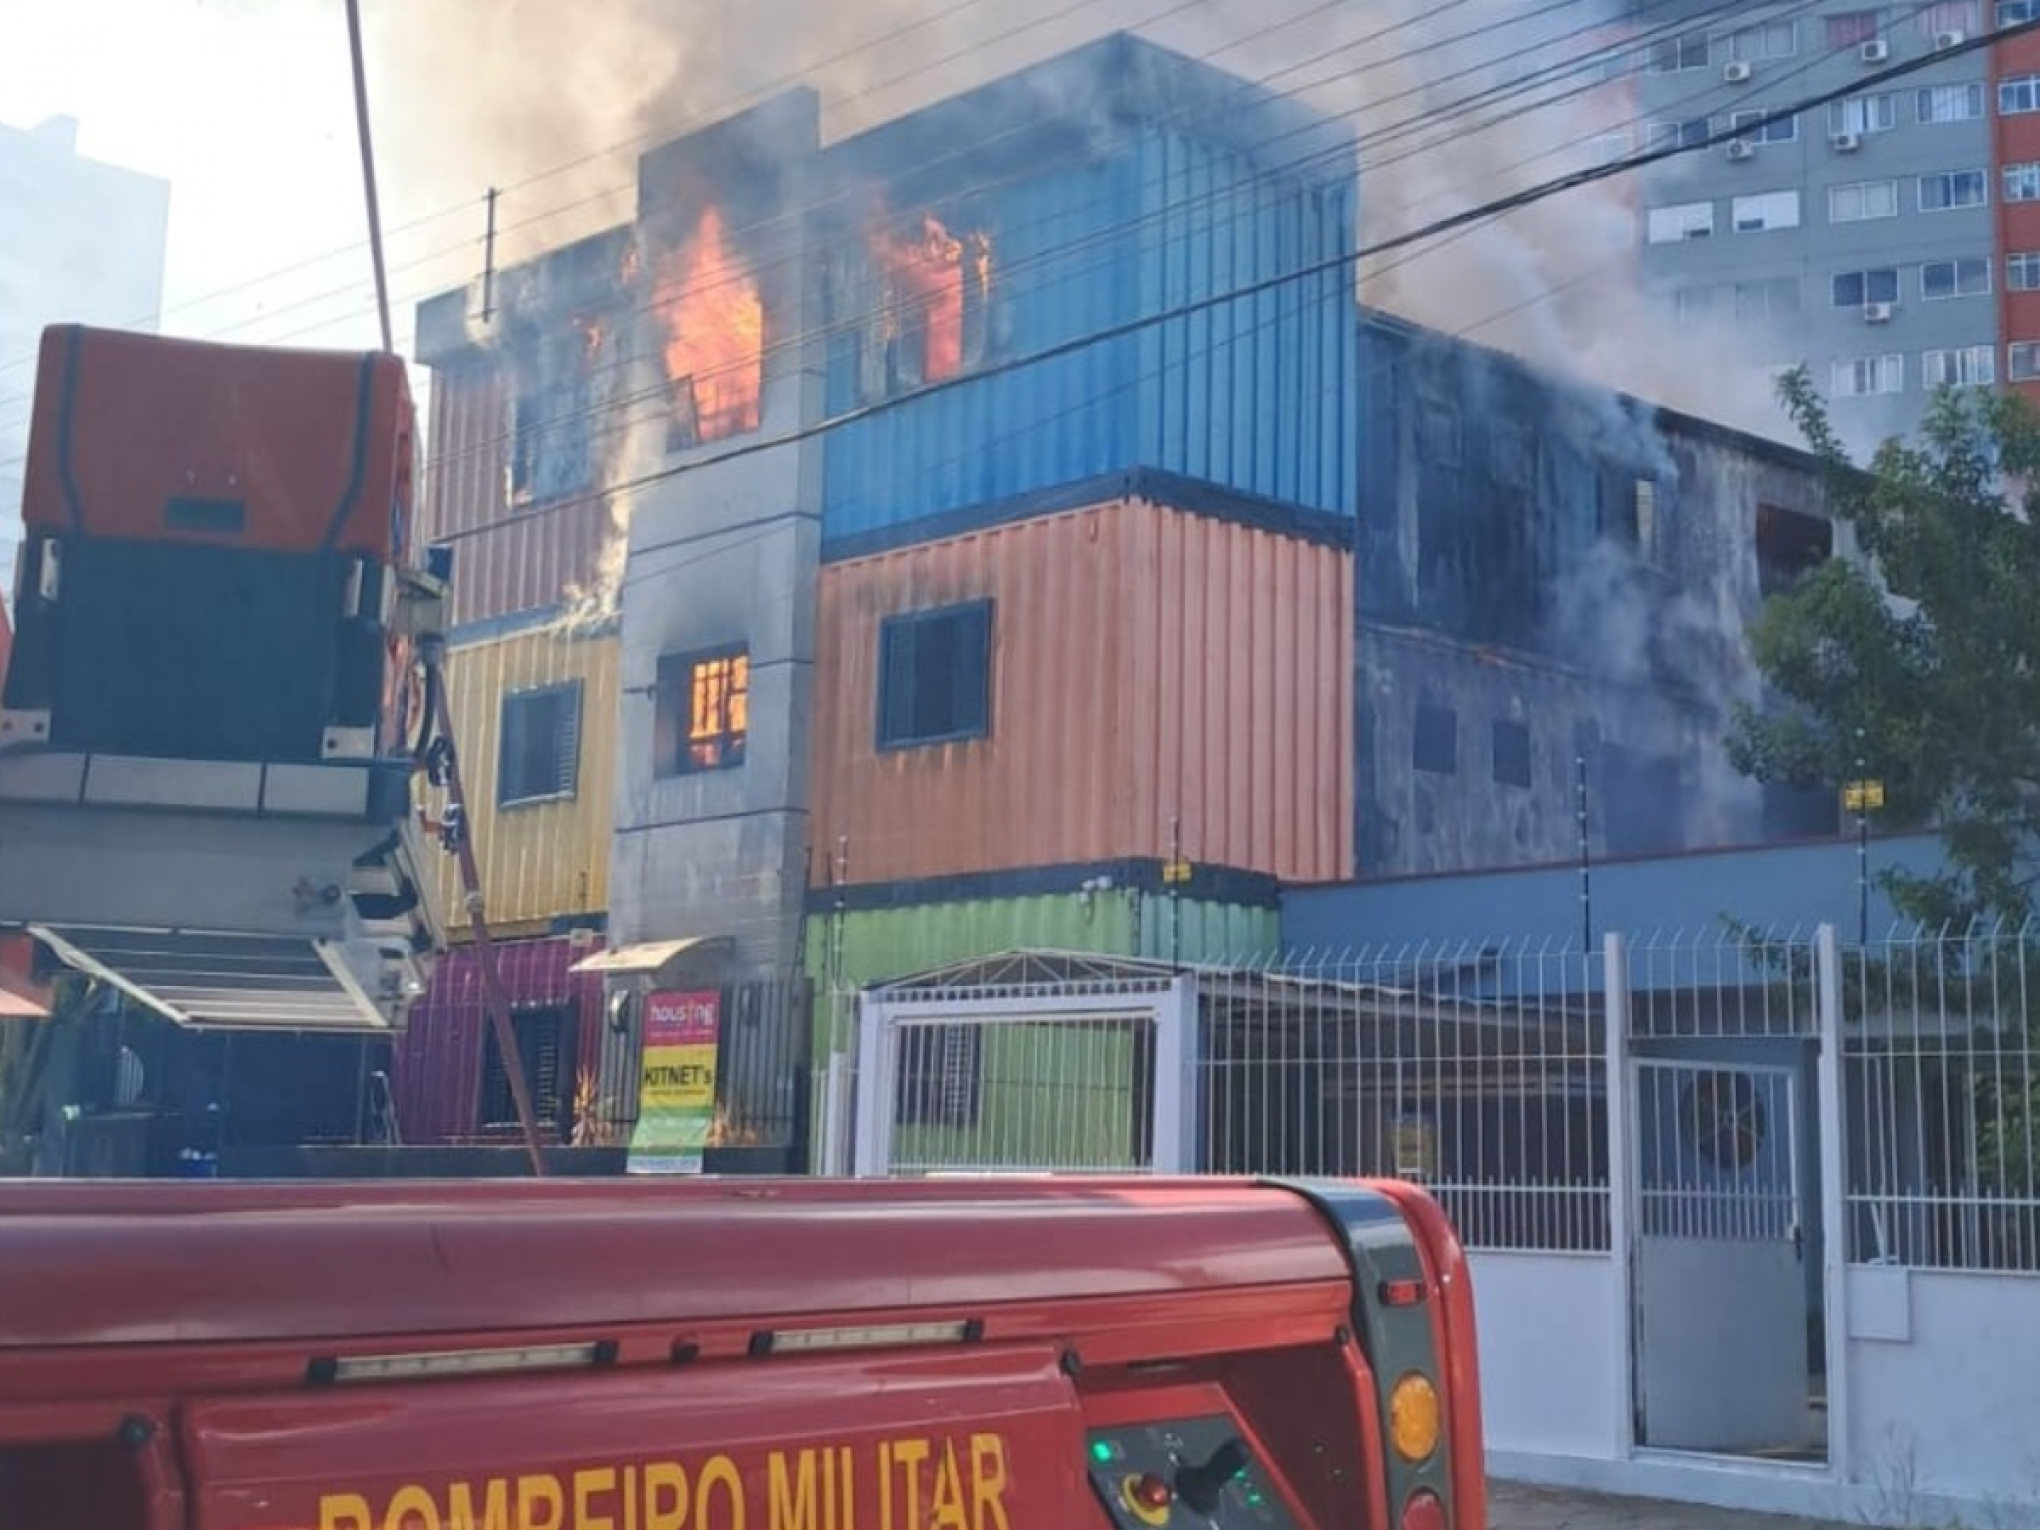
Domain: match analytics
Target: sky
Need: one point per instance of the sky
(248, 111)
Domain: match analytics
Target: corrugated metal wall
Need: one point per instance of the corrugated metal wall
(438, 1064)
(870, 945)
(539, 860)
(528, 556)
(1149, 667)
(1252, 395)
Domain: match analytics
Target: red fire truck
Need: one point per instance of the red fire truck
(968, 1354)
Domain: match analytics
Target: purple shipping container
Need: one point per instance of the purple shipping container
(449, 1086)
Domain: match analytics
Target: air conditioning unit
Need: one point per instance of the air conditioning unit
(1949, 40)
(1846, 143)
(1741, 148)
(1875, 51)
(1878, 313)
(1736, 73)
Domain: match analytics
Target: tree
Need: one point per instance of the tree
(1923, 662)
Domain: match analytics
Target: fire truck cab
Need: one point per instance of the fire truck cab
(1126, 1354)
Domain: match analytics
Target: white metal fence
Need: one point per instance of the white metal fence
(1485, 1072)
(1944, 1099)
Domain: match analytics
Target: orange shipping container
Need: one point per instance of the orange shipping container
(1148, 667)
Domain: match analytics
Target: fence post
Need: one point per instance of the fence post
(1175, 1093)
(874, 1107)
(1831, 1103)
(1621, 1176)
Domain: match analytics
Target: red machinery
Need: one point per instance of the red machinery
(209, 717)
(758, 1355)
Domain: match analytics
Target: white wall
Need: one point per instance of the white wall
(1553, 1382)
(1944, 1372)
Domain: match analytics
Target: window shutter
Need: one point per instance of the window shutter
(896, 680)
(973, 673)
(567, 740)
(511, 749)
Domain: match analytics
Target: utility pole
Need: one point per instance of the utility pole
(489, 260)
(1586, 856)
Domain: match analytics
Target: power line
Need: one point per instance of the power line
(1057, 256)
(1243, 87)
(1129, 327)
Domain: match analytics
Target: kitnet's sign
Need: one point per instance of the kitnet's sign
(676, 1091)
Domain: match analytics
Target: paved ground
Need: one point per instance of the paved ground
(1513, 1507)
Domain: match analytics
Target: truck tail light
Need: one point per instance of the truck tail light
(1414, 1418)
(1423, 1512)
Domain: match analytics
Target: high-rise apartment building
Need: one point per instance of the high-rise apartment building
(83, 243)
(1889, 239)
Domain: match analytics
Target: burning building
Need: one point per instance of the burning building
(1011, 532)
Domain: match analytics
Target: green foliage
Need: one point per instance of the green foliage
(1922, 669)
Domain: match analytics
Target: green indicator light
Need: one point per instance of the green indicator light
(1103, 1450)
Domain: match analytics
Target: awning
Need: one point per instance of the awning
(650, 956)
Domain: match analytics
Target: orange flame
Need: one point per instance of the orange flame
(715, 333)
(926, 278)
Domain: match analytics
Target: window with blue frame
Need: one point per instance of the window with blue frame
(935, 676)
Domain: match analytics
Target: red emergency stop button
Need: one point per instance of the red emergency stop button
(1148, 1498)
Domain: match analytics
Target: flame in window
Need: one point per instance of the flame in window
(708, 301)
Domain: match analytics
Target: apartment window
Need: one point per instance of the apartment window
(1968, 277)
(2022, 271)
(1790, 545)
(2011, 12)
(2022, 360)
(1438, 433)
(1511, 753)
(1768, 39)
(1666, 134)
(1512, 453)
(1851, 29)
(1867, 375)
(2018, 93)
(1766, 297)
(1852, 289)
(1968, 366)
(1435, 747)
(1954, 188)
(1765, 210)
(1860, 201)
(1949, 16)
(935, 674)
(1863, 114)
(1781, 130)
(1605, 149)
(1694, 304)
(702, 706)
(1950, 103)
(2022, 182)
(543, 1037)
(1676, 54)
(1683, 220)
(541, 745)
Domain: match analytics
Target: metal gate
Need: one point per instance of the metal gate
(1721, 1286)
(1055, 1072)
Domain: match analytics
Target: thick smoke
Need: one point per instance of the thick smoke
(477, 93)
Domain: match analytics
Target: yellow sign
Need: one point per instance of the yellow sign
(1177, 870)
(1863, 796)
(953, 1482)
(676, 1091)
